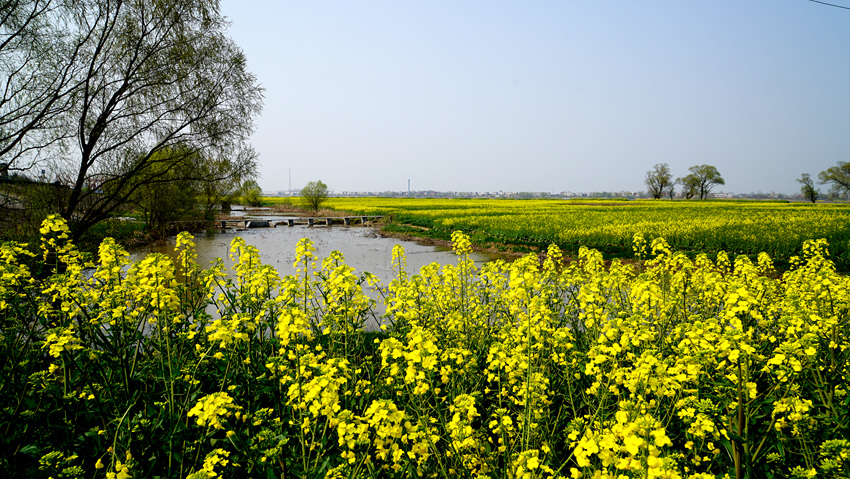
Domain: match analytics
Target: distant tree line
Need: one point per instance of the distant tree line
(124, 104)
(702, 178)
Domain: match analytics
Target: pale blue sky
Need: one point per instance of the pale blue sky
(548, 96)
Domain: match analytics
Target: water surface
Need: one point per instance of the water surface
(362, 247)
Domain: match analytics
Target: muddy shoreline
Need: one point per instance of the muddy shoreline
(504, 254)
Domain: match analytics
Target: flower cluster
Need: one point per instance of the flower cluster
(211, 409)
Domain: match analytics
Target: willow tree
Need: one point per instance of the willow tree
(659, 181)
(39, 71)
(701, 180)
(167, 195)
(314, 194)
(837, 177)
(807, 188)
(148, 77)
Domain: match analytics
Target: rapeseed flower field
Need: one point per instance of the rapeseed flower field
(667, 366)
(736, 227)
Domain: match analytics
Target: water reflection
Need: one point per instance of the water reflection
(363, 249)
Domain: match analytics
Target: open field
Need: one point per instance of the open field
(737, 227)
(664, 366)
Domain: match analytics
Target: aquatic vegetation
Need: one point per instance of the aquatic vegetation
(664, 366)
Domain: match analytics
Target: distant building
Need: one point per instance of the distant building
(722, 195)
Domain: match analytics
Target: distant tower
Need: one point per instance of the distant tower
(290, 182)
(408, 187)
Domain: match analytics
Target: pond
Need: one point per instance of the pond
(362, 247)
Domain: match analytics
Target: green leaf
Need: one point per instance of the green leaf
(31, 450)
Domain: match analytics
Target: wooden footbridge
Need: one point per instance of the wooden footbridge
(301, 221)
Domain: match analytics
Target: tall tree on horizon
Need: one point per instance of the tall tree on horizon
(700, 181)
(838, 177)
(808, 188)
(659, 181)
